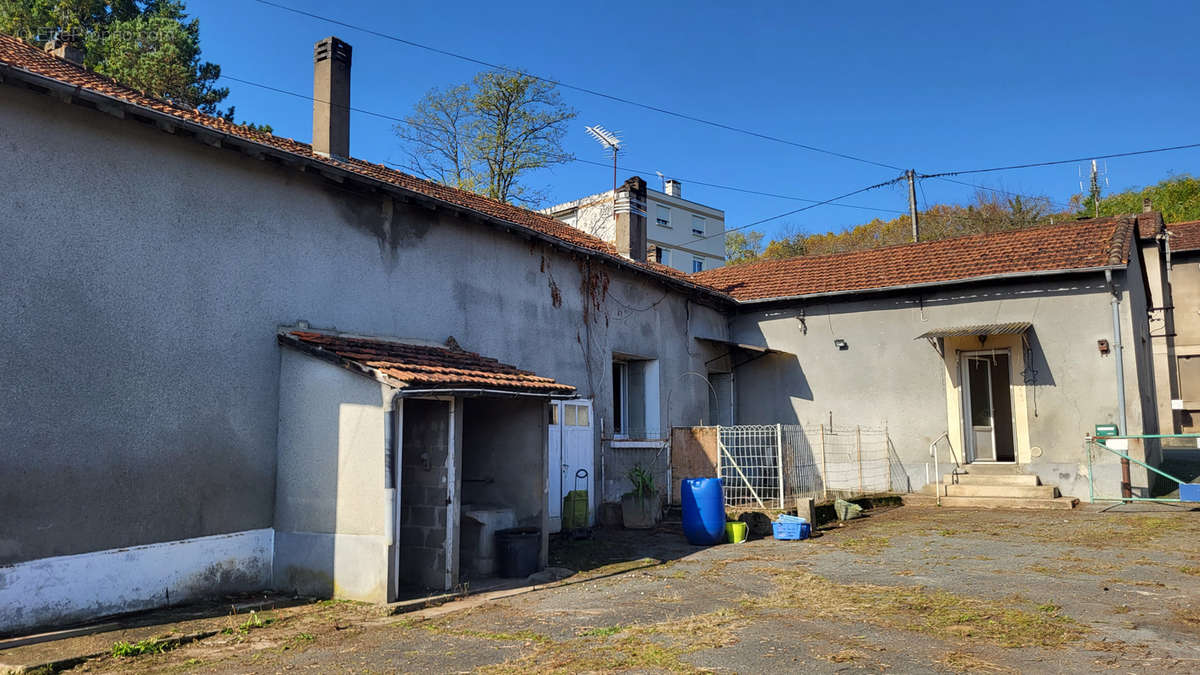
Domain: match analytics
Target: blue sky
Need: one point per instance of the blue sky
(935, 86)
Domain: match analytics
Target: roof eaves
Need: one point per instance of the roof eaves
(930, 284)
(329, 168)
(287, 339)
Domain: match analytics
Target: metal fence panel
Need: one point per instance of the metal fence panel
(769, 465)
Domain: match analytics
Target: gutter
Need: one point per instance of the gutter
(1118, 348)
(214, 137)
(934, 284)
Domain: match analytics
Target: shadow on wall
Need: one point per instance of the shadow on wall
(766, 387)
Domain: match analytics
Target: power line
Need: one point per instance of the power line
(307, 98)
(572, 159)
(1061, 161)
(566, 85)
(802, 208)
(694, 181)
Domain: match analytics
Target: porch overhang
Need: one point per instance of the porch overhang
(416, 369)
(982, 331)
(753, 351)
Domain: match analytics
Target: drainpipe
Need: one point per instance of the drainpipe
(1118, 348)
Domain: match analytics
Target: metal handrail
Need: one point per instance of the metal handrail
(1092, 441)
(934, 453)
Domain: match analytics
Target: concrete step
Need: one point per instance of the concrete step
(991, 479)
(992, 469)
(992, 490)
(1065, 503)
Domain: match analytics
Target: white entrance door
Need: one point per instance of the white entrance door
(987, 407)
(571, 462)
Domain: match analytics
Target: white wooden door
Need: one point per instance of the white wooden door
(572, 457)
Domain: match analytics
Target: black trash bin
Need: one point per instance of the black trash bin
(518, 550)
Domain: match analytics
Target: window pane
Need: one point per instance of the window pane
(664, 215)
(618, 386)
(570, 410)
(553, 413)
(697, 265)
(581, 418)
(697, 225)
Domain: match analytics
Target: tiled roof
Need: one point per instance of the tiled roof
(1079, 245)
(17, 54)
(410, 366)
(1185, 236)
(1150, 223)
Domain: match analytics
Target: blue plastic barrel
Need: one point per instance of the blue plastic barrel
(703, 511)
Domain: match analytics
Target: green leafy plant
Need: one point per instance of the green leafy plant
(147, 646)
(643, 481)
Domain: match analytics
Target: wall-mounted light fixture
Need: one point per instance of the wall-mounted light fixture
(1102, 345)
(841, 344)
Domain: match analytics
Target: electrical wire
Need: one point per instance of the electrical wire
(571, 159)
(802, 208)
(573, 87)
(1056, 162)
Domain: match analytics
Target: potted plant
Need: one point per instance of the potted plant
(640, 508)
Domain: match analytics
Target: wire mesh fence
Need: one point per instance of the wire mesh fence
(769, 465)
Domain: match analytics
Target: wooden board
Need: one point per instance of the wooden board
(693, 455)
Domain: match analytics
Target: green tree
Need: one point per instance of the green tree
(486, 135)
(743, 246)
(1178, 197)
(149, 45)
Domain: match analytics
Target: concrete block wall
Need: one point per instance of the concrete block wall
(423, 493)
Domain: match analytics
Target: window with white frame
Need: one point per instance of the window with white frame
(697, 264)
(697, 224)
(635, 398)
(664, 215)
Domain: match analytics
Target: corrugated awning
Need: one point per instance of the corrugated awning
(1015, 328)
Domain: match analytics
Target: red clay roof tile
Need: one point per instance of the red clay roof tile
(1079, 245)
(422, 366)
(1185, 236)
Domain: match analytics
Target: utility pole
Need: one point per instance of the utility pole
(1095, 191)
(912, 203)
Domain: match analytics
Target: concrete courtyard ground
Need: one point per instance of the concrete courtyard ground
(910, 589)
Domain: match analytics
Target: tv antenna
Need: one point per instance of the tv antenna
(610, 141)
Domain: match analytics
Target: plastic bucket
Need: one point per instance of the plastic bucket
(518, 550)
(736, 531)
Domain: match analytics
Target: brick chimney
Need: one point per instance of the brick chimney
(1147, 205)
(631, 219)
(673, 188)
(66, 49)
(331, 98)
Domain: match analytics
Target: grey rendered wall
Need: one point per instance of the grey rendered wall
(145, 275)
(887, 375)
(330, 529)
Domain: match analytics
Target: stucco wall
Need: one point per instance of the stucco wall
(145, 276)
(331, 497)
(885, 375)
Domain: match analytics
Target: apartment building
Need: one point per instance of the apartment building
(682, 234)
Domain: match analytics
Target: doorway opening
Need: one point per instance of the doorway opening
(987, 406)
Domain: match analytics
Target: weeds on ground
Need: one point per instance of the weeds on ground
(606, 631)
(147, 646)
(920, 609)
(863, 545)
(255, 620)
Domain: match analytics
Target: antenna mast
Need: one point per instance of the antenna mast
(610, 141)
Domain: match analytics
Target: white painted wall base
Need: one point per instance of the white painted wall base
(64, 589)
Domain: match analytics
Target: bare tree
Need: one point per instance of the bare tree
(486, 135)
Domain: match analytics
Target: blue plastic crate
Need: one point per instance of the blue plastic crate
(1189, 492)
(786, 531)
